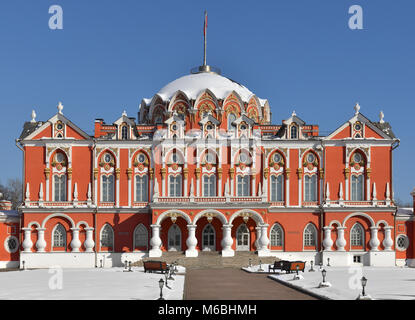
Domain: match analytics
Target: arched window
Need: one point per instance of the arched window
(175, 189)
(107, 237)
(294, 132)
(357, 188)
(108, 188)
(310, 188)
(59, 188)
(59, 236)
(124, 133)
(277, 188)
(357, 235)
(243, 186)
(208, 238)
(310, 236)
(140, 237)
(209, 186)
(231, 118)
(141, 188)
(277, 236)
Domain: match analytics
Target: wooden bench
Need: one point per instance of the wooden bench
(151, 266)
(290, 266)
(276, 266)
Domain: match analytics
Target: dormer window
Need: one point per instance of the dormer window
(243, 126)
(174, 127)
(243, 158)
(209, 126)
(357, 126)
(59, 126)
(231, 118)
(294, 132)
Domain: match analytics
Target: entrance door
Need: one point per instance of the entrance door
(208, 238)
(242, 238)
(174, 238)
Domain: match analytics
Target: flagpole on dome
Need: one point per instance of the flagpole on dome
(205, 37)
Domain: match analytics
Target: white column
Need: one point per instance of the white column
(129, 181)
(300, 189)
(258, 235)
(287, 191)
(327, 241)
(368, 189)
(163, 186)
(374, 241)
(155, 241)
(264, 241)
(253, 186)
(220, 194)
(69, 187)
(89, 195)
(27, 242)
(27, 195)
(75, 243)
(341, 241)
(89, 242)
(96, 190)
(388, 242)
(41, 243)
(191, 241)
(227, 241)
(346, 188)
(232, 186)
(47, 189)
(117, 186)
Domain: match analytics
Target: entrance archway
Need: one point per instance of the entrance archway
(242, 238)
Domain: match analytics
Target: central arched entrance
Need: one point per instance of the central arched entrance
(242, 238)
(174, 238)
(208, 238)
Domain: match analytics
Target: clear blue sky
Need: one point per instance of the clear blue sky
(298, 54)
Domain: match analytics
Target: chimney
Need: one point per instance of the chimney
(5, 205)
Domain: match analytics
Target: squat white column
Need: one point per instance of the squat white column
(155, 241)
(388, 242)
(374, 241)
(27, 242)
(264, 241)
(227, 241)
(258, 235)
(89, 242)
(341, 241)
(41, 243)
(327, 241)
(75, 243)
(191, 241)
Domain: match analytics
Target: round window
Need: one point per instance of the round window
(243, 158)
(311, 157)
(402, 242)
(174, 127)
(358, 126)
(209, 127)
(59, 157)
(210, 158)
(277, 158)
(11, 244)
(243, 127)
(107, 158)
(141, 158)
(357, 157)
(59, 126)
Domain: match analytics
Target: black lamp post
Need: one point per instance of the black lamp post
(324, 272)
(170, 270)
(364, 282)
(297, 267)
(129, 266)
(166, 276)
(23, 264)
(328, 262)
(175, 267)
(321, 265)
(125, 264)
(260, 266)
(311, 269)
(250, 263)
(161, 285)
(101, 263)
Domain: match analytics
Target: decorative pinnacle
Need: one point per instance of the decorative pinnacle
(124, 113)
(381, 116)
(60, 107)
(293, 114)
(357, 108)
(33, 116)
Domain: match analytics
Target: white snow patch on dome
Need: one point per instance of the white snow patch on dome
(193, 84)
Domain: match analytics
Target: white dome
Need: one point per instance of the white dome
(193, 84)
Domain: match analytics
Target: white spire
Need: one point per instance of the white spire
(33, 116)
(124, 113)
(60, 107)
(327, 191)
(357, 108)
(293, 114)
(27, 192)
(381, 116)
(41, 192)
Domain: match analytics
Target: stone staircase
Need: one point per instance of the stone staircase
(211, 260)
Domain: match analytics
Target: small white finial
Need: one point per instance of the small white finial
(33, 116)
(60, 107)
(293, 114)
(124, 113)
(1, 195)
(381, 116)
(357, 108)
